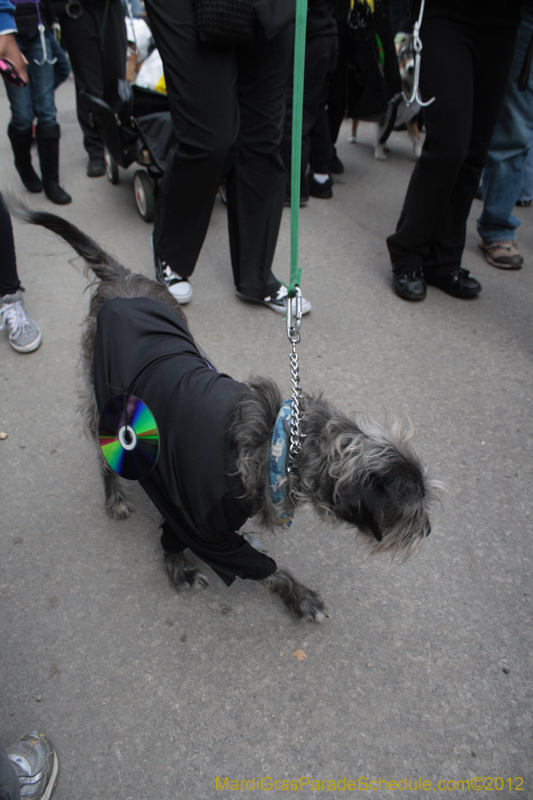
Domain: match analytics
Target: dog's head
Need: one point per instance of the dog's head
(374, 481)
(406, 58)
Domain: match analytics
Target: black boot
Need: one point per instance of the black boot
(21, 145)
(48, 147)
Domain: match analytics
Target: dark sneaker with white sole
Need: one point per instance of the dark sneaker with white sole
(36, 766)
(179, 287)
(278, 302)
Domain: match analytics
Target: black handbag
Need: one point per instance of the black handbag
(226, 22)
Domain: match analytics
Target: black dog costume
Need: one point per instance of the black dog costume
(142, 348)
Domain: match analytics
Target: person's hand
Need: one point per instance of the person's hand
(9, 49)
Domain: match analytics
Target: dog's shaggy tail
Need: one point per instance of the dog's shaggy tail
(104, 266)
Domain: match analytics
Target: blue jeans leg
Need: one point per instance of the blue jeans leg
(526, 192)
(37, 99)
(504, 170)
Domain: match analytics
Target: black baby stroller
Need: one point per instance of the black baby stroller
(138, 129)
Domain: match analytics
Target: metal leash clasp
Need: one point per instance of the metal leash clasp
(417, 47)
(293, 330)
(41, 30)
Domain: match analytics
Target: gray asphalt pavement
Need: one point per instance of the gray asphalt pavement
(423, 671)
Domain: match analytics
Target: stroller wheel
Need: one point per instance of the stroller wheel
(111, 167)
(144, 195)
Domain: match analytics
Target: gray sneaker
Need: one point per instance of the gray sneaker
(35, 762)
(24, 334)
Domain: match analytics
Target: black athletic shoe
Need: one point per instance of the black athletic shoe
(324, 191)
(409, 283)
(457, 284)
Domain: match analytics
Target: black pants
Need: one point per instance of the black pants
(96, 68)
(227, 107)
(320, 61)
(466, 69)
(337, 83)
(9, 281)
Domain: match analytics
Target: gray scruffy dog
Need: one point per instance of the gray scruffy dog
(349, 470)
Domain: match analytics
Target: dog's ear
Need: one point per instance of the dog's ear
(364, 506)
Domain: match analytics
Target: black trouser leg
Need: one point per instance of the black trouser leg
(256, 182)
(466, 70)
(9, 280)
(201, 82)
(320, 59)
(96, 69)
(337, 84)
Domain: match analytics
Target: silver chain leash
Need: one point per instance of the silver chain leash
(293, 333)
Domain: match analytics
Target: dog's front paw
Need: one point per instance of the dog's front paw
(121, 509)
(311, 607)
(380, 154)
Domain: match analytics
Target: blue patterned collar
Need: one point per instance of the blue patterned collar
(279, 450)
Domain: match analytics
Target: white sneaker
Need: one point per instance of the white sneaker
(179, 287)
(278, 303)
(24, 335)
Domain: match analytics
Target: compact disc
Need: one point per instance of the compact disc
(129, 437)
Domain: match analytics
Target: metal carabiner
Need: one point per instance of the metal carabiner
(45, 60)
(417, 47)
(293, 331)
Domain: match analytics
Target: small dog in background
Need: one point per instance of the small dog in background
(351, 470)
(404, 115)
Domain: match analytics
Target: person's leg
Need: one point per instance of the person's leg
(504, 170)
(447, 73)
(337, 84)
(256, 183)
(24, 334)
(19, 129)
(201, 83)
(114, 50)
(526, 192)
(61, 66)
(321, 152)
(490, 79)
(82, 40)
(9, 279)
(47, 130)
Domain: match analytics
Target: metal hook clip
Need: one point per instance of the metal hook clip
(45, 60)
(293, 331)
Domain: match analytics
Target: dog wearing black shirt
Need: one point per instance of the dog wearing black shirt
(356, 471)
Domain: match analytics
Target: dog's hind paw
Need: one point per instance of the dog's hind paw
(194, 579)
(182, 574)
(120, 510)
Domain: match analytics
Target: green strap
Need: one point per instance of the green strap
(296, 151)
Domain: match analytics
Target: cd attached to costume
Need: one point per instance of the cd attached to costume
(129, 437)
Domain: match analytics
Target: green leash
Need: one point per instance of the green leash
(293, 289)
(296, 145)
